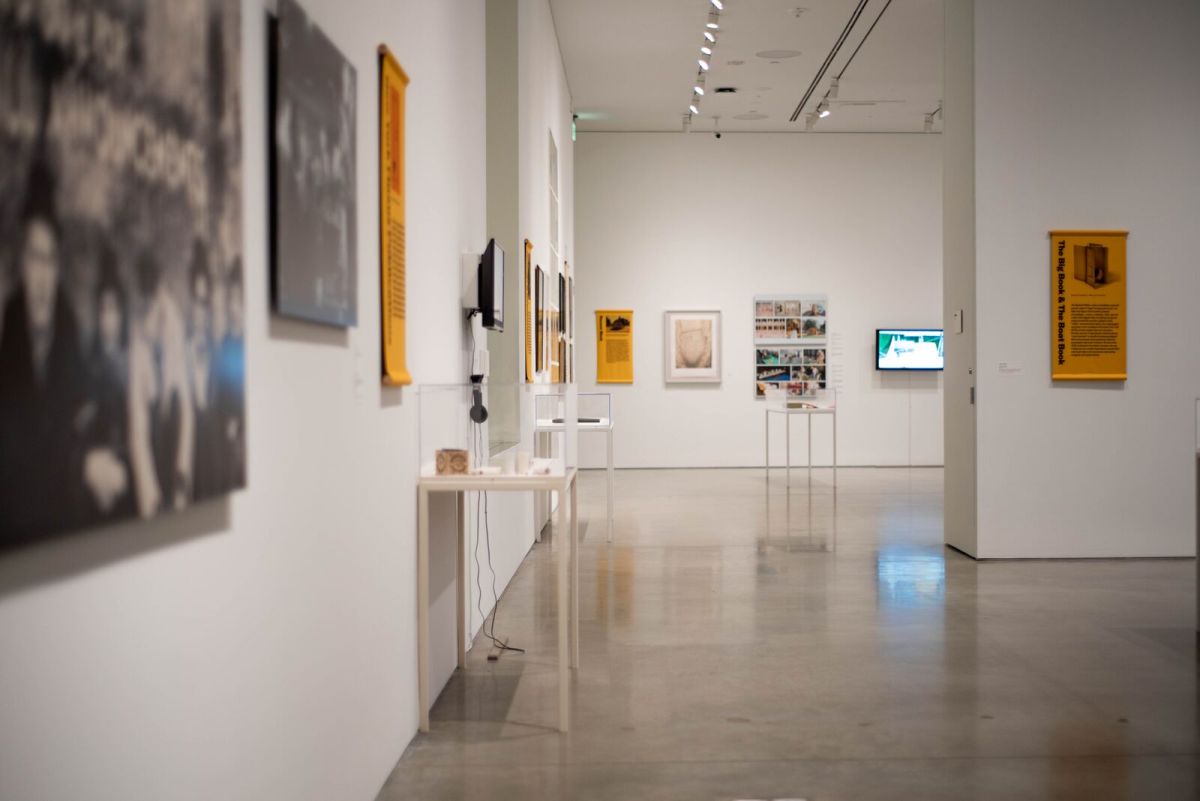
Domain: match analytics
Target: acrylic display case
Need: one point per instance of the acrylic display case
(594, 411)
(782, 398)
(452, 417)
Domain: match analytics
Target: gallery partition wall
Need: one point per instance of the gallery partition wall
(848, 221)
(275, 620)
(1095, 468)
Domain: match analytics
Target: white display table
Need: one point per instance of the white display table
(596, 408)
(605, 426)
(810, 414)
(568, 571)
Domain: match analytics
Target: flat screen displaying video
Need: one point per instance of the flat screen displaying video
(909, 349)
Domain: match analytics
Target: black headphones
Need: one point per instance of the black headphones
(479, 412)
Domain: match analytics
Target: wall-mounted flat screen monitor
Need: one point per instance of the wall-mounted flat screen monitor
(909, 349)
(491, 287)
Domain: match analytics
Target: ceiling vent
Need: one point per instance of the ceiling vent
(725, 90)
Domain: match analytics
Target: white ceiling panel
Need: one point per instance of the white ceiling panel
(631, 63)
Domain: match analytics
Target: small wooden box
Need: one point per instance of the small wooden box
(453, 462)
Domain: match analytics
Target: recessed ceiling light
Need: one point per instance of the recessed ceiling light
(774, 54)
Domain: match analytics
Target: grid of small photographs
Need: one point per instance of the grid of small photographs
(801, 370)
(783, 320)
(789, 344)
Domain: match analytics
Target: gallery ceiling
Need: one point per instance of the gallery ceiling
(631, 64)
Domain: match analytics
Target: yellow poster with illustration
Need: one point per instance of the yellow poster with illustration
(392, 85)
(614, 346)
(1087, 309)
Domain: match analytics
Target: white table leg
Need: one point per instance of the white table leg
(809, 416)
(834, 418)
(461, 605)
(767, 445)
(537, 496)
(562, 535)
(612, 483)
(423, 607)
(575, 572)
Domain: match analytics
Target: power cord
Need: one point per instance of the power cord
(482, 497)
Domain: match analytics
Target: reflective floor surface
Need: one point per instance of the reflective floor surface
(740, 644)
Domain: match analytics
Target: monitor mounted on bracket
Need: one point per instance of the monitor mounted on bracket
(491, 287)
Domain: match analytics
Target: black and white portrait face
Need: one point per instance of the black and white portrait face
(40, 273)
(122, 146)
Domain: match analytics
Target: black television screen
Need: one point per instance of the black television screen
(909, 349)
(491, 287)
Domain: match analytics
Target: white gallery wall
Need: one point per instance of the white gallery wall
(1065, 139)
(263, 646)
(679, 221)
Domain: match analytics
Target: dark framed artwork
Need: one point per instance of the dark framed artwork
(540, 314)
(314, 260)
(530, 363)
(122, 377)
(562, 304)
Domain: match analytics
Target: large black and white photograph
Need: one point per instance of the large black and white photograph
(315, 274)
(121, 280)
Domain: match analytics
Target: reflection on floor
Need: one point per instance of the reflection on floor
(737, 644)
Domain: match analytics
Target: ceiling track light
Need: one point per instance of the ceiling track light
(810, 120)
(706, 51)
(833, 89)
(823, 110)
(718, 5)
(703, 64)
(713, 21)
(928, 123)
(709, 37)
(698, 89)
(694, 109)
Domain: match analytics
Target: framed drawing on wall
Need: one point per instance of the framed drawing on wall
(692, 345)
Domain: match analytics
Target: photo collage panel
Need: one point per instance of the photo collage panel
(790, 351)
(789, 319)
(801, 370)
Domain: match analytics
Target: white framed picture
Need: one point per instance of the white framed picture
(692, 342)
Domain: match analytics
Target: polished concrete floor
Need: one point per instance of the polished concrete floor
(740, 644)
